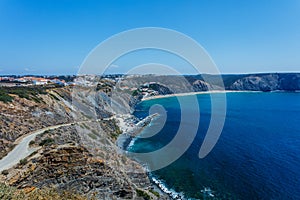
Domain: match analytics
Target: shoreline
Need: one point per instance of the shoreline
(131, 127)
(195, 93)
(127, 138)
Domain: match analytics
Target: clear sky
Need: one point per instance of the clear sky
(54, 36)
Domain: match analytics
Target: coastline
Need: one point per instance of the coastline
(127, 138)
(195, 93)
(130, 130)
(131, 127)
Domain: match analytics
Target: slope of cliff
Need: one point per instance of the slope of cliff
(81, 157)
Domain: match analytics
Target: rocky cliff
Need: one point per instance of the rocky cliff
(82, 157)
(24, 115)
(256, 82)
(62, 161)
(267, 82)
(162, 85)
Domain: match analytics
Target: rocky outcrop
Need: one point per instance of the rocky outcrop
(257, 83)
(268, 82)
(22, 116)
(73, 168)
(30, 193)
(200, 85)
(69, 163)
(81, 157)
(162, 85)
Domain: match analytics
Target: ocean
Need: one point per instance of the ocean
(256, 157)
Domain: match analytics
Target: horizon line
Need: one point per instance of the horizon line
(243, 73)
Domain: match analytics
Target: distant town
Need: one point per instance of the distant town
(104, 83)
(35, 80)
(63, 80)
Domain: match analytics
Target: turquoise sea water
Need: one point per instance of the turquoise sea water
(256, 157)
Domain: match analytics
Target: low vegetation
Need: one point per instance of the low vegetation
(5, 172)
(4, 96)
(23, 161)
(155, 193)
(117, 132)
(30, 93)
(11, 193)
(135, 93)
(46, 142)
(143, 194)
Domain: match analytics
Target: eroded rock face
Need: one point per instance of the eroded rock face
(72, 168)
(69, 163)
(22, 116)
(82, 157)
(256, 83)
(268, 82)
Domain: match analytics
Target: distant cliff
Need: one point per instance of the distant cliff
(162, 84)
(259, 82)
(267, 82)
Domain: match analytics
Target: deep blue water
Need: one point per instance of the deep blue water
(256, 157)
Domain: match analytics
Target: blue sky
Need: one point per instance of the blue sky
(242, 36)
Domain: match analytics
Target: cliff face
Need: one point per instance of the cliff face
(254, 82)
(267, 82)
(82, 157)
(22, 116)
(71, 167)
(162, 85)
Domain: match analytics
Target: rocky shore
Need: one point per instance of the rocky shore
(131, 127)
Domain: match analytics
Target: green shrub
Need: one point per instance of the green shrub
(4, 97)
(5, 172)
(143, 194)
(30, 93)
(47, 142)
(23, 161)
(135, 93)
(155, 193)
(33, 153)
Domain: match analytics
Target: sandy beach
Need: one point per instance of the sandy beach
(193, 93)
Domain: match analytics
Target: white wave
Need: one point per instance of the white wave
(131, 144)
(172, 193)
